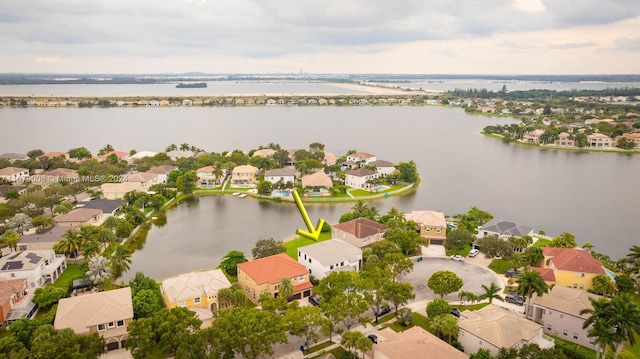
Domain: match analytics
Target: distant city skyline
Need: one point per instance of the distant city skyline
(293, 36)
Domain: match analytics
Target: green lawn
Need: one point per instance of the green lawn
(72, 272)
(418, 319)
(318, 347)
(500, 265)
(292, 245)
(337, 352)
(470, 307)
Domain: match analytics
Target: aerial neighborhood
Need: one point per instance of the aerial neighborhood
(374, 285)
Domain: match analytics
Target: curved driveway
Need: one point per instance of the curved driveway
(473, 277)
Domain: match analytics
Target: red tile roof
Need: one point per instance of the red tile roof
(361, 227)
(272, 269)
(546, 273)
(573, 260)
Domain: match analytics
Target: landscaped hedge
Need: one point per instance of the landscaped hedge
(575, 351)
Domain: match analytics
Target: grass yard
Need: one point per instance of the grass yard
(72, 272)
(292, 245)
(418, 320)
(318, 347)
(337, 352)
(470, 307)
(500, 265)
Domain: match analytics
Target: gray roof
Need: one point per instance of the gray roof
(105, 205)
(507, 228)
(53, 235)
(14, 156)
(6, 188)
(381, 163)
(332, 251)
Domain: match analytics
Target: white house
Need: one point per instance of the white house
(383, 168)
(207, 178)
(358, 178)
(162, 172)
(14, 174)
(36, 266)
(329, 256)
(361, 157)
(285, 175)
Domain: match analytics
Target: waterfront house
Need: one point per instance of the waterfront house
(109, 207)
(320, 182)
(283, 175)
(245, 175)
(106, 313)
(493, 327)
(206, 176)
(504, 229)
(37, 266)
(565, 139)
(196, 291)
(413, 343)
(532, 136)
(162, 172)
(360, 178)
(431, 225)
(361, 157)
(264, 275)
(360, 232)
(633, 137)
(12, 291)
(571, 267)
(598, 140)
(44, 240)
(383, 168)
(79, 217)
(329, 256)
(14, 174)
(559, 313)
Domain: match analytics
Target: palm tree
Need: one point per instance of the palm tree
(10, 238)
(359, 209)
(286, 288)
(98, 271)
(534, 256)
(599, 319)
(491, 292)
(518, 259)
(90, 248)
(530, 283)
(105, 236)
(445, 325)
(625, 320)
(120, 261)
(70, 243)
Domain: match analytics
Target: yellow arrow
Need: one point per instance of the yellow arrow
(312, 234)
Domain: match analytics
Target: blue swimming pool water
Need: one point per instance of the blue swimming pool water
(283, 192)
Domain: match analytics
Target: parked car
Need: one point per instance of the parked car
(514, 298)
(474, 252)
(457, 257)
(373, 338)
(314, 300)
(511, 273)
(455, 312)
(384, 310)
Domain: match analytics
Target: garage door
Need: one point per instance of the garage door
(436, 241)
(113, 346)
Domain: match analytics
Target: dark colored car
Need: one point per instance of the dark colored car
(384, 310)
(373, 338)
(314, 300)
(455, 312)
(514, 298)
(511, 273)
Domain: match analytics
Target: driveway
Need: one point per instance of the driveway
(473, 276)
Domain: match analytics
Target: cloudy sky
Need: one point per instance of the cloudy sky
(330, 36)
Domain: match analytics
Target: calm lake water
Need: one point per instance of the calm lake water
(592, 195)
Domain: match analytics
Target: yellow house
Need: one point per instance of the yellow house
(197, 291)
(244, 175)
(264, 275)
(572, 267)
(431, 225)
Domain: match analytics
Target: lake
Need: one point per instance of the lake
(592, 195)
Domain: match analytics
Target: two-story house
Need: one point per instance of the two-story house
(431, 225)
(361, 158)
(329, 256)
(571, 267)
(109, 207)
(196, 291)
(79, 217)
(143, 180)
(360, 178)
(559, 313)
(264, 275)
(383, 168)
(564, 139)
(162, 172)
(106, 313)
(504, 229)
(598, 140)
(36, 266)
(14, 174)
(12, 291)
(207, 176)
(360, 232)
(493, 327)
(245, 175)
(44, 240)
(283, 175)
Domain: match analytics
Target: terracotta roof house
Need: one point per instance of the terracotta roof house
(79, 217)
(598, 140)
(504, 229)
(264, 275)
(564, 139)
(431, 225)
(360, 178)
(572, 267)
(413, 343)
(329, 256)
(12, 291)
(122, 156)
(633, 137)
(383, 168)
(37, 266)
(318, 179)
(162, 172)
(107, 313)
(532, 136)
(284, 175)
(329, 159)
(493, 327)
(43, 240)
(244, 175)
(195, 291)
(265, 152)
(107, 206)
(12, 157)
(360, 232)
(559, 313)
(14, 174)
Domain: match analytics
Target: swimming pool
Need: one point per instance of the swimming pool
(379, 188)
(282, 192)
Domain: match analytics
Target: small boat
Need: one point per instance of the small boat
(236, 193)
(242, 195)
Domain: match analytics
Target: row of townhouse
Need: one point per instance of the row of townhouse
(595, 140)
